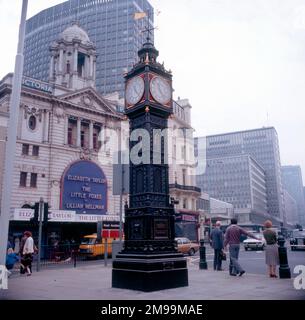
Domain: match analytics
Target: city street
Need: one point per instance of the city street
(252, 261)
(93, 282)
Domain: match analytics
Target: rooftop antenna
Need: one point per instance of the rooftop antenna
(268, 118)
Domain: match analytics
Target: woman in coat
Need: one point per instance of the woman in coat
(272, 253)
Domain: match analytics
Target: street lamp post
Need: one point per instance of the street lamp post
(10, 147)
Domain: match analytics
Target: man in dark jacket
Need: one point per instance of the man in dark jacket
(217, 244)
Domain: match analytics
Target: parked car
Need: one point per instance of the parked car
(185, 246)
(91, 246)
(255, 244)
(297, 240)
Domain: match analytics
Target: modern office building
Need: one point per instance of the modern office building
(293, 183)
(290, 209)
(238, 180)
(263, 148)
(111, 27)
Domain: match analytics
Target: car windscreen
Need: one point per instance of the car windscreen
(88, 241)
(257, 235)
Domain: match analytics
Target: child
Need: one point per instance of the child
(11, 259)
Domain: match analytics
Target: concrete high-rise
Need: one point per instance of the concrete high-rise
(111, 27)
(290, 209)
(263, 148)
(293, 183)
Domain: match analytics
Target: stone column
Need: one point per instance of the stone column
(46, 126)
(51, 75)
(91, 66)
(87, 67)
(91, 135)
(94, 69)
(61, 57)
(78, 140)
(66, 126)
(75, 57)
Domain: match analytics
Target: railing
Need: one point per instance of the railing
(184, 187)
(65, 255)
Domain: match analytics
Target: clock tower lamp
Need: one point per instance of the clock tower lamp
(149, 260)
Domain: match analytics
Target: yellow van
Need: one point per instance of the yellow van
(92, 247)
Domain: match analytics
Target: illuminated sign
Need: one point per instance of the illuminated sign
(38, 85)
(84, 190)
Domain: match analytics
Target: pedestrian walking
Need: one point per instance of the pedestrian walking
(27, 253)
(216, 238)
(11, 259)
(272, 252)
(232, 238)
(22, 242)
(17, 245)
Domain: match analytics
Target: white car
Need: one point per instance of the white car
(254, 244)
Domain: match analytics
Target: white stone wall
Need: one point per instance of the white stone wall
(177, 165)
(30, 164)
(54, 156)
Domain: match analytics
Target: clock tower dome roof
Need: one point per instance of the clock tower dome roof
(148, 53)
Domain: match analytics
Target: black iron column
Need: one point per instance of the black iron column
(203, 262)
(284, 269)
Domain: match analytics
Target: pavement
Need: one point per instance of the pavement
(93, 282)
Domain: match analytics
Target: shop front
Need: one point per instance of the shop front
(83, 202)
(187, 224)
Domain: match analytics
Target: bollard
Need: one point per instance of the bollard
(74, 257)
(203, 262)
(106, 252)
(284, 269)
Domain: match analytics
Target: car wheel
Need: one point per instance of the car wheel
(246, 249)
(191, 252)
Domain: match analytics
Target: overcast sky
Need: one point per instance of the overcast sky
(241, 63)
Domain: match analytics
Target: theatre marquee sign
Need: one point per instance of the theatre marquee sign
(84, 189)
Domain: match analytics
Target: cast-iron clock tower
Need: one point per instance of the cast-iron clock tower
(149, 260)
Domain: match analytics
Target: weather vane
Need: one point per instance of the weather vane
(148, 28)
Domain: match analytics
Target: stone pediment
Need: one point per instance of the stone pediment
(89, 98)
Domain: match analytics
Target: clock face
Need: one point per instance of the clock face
(134, 90)
(160, 90)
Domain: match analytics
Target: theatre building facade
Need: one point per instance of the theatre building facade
(59, 154)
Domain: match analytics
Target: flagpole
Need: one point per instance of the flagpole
(10, 147)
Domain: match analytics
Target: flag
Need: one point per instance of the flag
(139, 15)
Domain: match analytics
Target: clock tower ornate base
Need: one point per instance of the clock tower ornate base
(149, 265)
(149, 260)
(149, 272)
